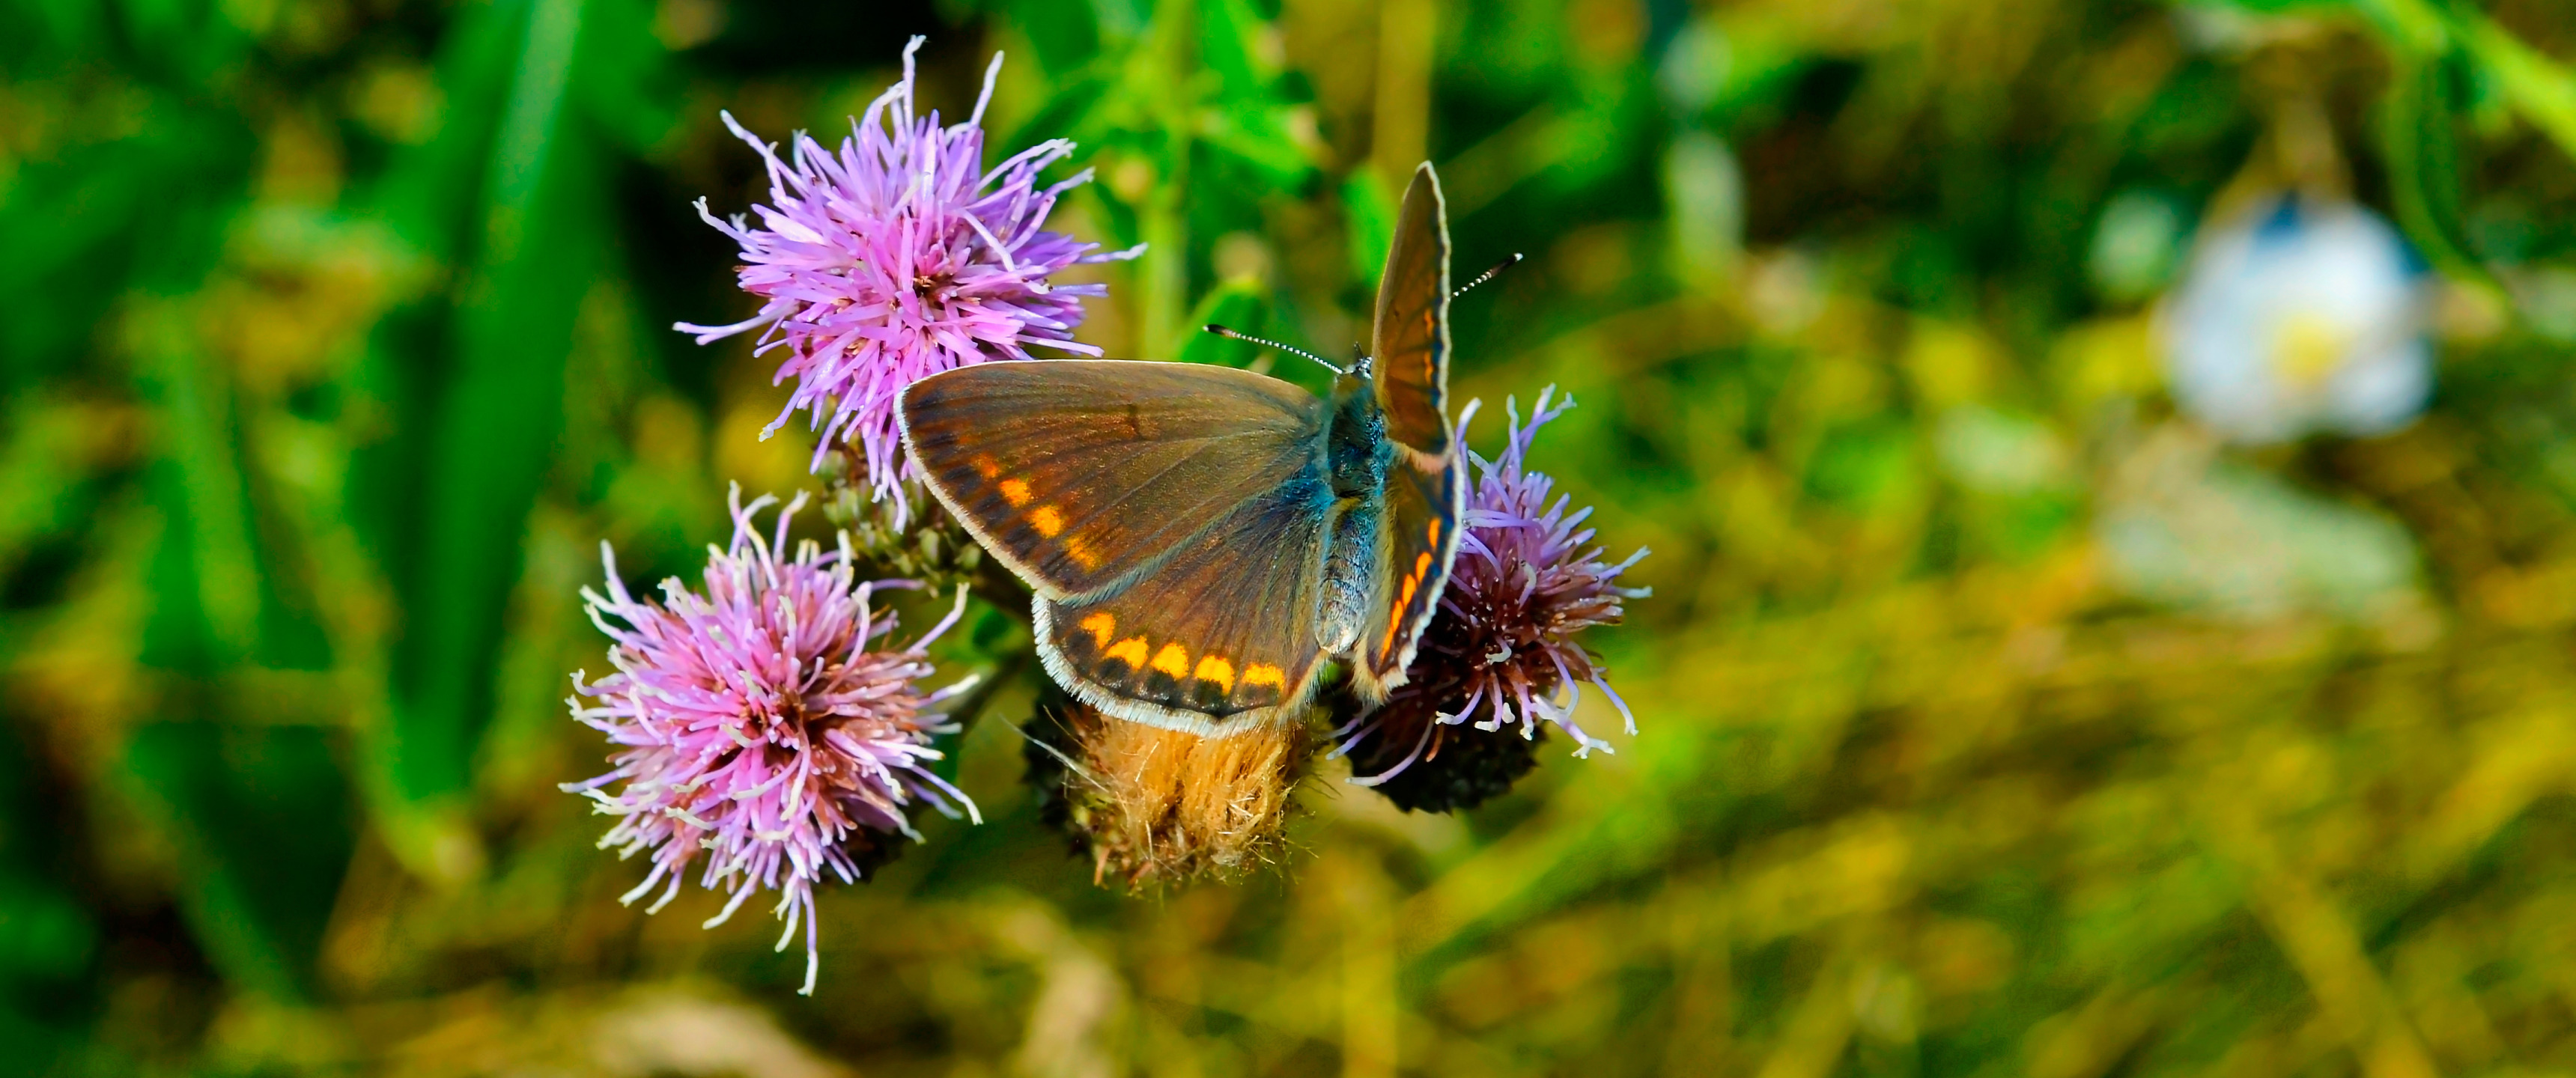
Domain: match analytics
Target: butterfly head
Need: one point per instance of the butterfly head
(1354, 389)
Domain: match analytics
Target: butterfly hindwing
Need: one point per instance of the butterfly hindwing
(1219, 634)
(1421, 541)
(1411, 340)
(1082, 475)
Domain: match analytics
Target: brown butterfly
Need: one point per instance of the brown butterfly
(1201, 538)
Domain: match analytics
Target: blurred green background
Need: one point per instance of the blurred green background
(332, 341)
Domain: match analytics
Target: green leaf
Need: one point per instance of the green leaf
(1067, 113)
(45, 936)
(543, 239)
(2418, 132)
(624, 85)
(1369, 217)
(206, 584)
(1256, 134)
(1066, 35)
(2543, 90)
(259, 818)
(102, 218)
(1239, 304)
(1228, 46)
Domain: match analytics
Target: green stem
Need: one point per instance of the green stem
(2540, 89)
(1164, 220)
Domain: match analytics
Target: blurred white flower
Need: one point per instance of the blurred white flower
(2301, 315)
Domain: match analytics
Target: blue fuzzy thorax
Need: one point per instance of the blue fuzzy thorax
(1357, 454)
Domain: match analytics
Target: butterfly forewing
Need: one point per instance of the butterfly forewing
(1082, 475)
(1221, 633)
(1411, 345)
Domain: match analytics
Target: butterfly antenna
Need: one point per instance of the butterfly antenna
(1231, 335)
(1488, 275)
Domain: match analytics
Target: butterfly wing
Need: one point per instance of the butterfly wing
(1420, 537)
(1083, 475)
(1219, 636)
(1410, 344)
(1426, 483)
(1170, 516)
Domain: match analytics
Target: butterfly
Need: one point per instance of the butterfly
(1202, 540)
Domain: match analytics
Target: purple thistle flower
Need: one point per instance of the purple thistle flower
(899, 257)
(753, 723)
(1501, 650)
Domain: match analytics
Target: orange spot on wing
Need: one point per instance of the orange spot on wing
(1435, 533)
(1102, 626)
(1403, 603)
(1421, 568)
(1081, 553)
(1046, 520)
(1130, 651)
(1016, 492)
(1265, 674)
(986, 467)
(1174, 660)
(1219, 671)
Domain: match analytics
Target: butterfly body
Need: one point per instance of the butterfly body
(1356, 450)
(1202, 540)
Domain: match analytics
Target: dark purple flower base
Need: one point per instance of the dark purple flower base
(1050, 742)
(1460, 766)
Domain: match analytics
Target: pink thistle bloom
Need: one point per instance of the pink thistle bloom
(754, 724)
(898, 257)
(1501, 650)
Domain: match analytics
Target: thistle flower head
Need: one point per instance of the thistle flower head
(1502, 651)
(897, 257)
(763, 722)
(1149, 806)
(2301, 315)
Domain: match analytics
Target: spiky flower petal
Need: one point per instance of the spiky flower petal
(753, 723)
(897, 257)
